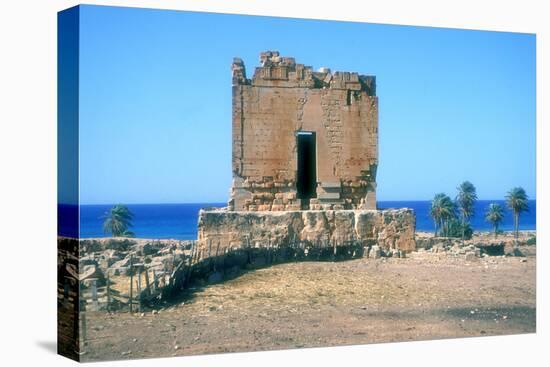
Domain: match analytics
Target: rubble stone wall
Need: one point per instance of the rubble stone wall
(283, 98)
(391, 229)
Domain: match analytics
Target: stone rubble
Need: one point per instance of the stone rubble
(481, 245)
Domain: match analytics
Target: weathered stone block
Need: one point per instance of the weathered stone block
(291, 196)
(330, 185)
(328, 196)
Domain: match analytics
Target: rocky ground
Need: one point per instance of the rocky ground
(440, 291)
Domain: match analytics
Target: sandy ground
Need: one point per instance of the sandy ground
(312, 304)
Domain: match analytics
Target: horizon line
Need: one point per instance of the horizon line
(225, 202)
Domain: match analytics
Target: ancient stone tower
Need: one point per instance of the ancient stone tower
(303, 139)
(305, 153)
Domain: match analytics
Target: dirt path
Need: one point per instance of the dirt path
(425, 296)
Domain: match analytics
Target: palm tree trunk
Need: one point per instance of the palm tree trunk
(463, 224)
(516, 225)
(517, 230)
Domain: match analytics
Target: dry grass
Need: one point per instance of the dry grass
(293, 305)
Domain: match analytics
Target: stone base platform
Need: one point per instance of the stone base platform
(223, 229)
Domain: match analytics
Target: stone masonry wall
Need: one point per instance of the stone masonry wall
(284, 97)
(390, 229)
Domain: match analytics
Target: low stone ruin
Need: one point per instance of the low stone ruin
(480, 245)
(390, 230)
(165, 267)
(112, 255)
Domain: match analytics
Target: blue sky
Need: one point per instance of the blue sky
(155, 101)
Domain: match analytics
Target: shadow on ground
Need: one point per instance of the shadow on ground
(48, 345)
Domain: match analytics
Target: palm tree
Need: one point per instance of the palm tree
(516, 199)
(495, 215)
(465, 200)
(448, 213)
(118, 220)
(442, 210)
(435, 211)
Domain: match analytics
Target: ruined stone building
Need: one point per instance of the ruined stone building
(303, 139)
(304, 161)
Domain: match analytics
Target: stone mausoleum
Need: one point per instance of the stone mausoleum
(303, 139)
(304, 160)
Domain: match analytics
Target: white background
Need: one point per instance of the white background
(28, 181)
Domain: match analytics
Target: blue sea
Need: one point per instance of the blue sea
(179, 221)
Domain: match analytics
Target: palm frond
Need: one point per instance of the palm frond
(117, 221)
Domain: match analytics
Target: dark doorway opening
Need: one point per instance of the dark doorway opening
(307, 167)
